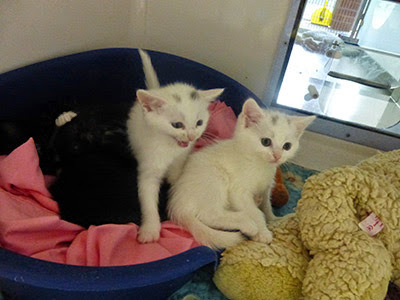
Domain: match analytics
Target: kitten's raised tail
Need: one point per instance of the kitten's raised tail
(213, 238)
(150, 74)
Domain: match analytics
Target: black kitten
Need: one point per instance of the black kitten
(96, 172)
(97, 177)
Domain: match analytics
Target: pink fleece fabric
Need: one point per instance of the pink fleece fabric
(220, 126)
(30, 222)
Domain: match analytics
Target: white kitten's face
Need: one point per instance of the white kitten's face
(178, 110)
(271, 135)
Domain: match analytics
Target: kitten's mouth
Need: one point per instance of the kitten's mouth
(183, 144)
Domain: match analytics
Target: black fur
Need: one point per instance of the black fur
(98, 188)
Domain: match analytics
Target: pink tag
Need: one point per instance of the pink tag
(371, 224)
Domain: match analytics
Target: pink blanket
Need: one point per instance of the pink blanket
(30, 223)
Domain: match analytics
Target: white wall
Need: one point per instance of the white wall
(236, 37)
(34, 30)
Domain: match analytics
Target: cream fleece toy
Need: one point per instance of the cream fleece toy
(320, 252)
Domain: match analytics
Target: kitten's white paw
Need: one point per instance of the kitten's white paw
(264, 236)
(149, 232)
(249, 228)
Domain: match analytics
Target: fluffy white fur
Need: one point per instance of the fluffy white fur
(159, 147)
(226, 186)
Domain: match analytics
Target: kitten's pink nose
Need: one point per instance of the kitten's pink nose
(191, 136)
(277, 156)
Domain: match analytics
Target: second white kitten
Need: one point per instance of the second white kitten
(224, 189)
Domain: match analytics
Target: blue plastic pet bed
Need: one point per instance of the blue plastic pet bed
(105, 75)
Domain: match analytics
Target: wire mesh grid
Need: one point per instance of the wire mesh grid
(335, 16)
(313, 5)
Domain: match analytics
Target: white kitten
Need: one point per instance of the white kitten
(220, 185)
(163, 125)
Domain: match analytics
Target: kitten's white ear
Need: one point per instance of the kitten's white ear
(149, 101)
(210, 95)
(302, 123)
(251, 112)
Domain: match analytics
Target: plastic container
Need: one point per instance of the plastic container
(107, 75)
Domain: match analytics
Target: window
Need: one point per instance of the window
(340, 60)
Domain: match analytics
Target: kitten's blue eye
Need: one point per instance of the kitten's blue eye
(199, 123)
(287, 146)
(266, 142)
(177, 125)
